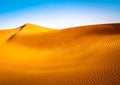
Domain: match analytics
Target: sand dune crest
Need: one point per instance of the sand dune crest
(31, 28)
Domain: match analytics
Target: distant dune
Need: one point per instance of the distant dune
(86, 55)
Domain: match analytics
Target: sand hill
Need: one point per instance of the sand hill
(86, 55)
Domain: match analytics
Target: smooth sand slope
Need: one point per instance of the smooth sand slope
(34, 55)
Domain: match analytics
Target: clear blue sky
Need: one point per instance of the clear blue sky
(58, 13)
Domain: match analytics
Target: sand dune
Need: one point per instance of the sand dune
(86, 55)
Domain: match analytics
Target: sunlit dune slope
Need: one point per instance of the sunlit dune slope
(86, 55)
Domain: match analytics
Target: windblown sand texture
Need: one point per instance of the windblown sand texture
(86, 55)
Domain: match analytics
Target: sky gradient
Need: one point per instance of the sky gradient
(58, 13)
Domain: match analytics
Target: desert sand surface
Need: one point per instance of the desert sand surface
(85, 55)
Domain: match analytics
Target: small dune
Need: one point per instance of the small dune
(36, 55)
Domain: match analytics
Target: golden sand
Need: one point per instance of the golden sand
(86, 55)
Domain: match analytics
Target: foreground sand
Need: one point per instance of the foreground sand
(33, 55)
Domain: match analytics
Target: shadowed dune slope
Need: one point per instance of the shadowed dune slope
(86, 55)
